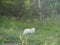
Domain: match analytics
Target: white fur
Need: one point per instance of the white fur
(32, 30)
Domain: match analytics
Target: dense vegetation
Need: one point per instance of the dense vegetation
(17, 15)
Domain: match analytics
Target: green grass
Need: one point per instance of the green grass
(47, 34)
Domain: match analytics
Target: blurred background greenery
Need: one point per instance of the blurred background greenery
(17, 15)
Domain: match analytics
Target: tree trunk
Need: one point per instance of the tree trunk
(39, 11)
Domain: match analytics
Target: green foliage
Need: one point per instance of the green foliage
(48, 33)
(27, 3)
(2, 40)
(11, 29)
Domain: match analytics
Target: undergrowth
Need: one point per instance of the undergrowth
(47, 34)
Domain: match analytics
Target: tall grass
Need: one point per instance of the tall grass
(13, 29)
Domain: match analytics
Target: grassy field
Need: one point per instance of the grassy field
(11, 32)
